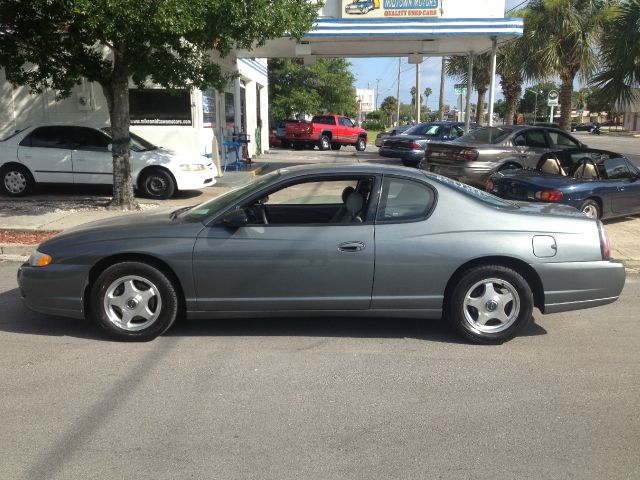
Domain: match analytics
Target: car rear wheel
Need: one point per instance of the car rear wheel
(361, 144)
(490, 304)
(16, 180)
(133, 301)
(590, 208)
(335, 146)
(509, 166)
(158, 184)
(324, 143)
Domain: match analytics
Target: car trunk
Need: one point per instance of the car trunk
(451, 153)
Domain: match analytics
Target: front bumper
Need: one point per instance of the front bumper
(578, 285)
(195, 180)
(54, 290)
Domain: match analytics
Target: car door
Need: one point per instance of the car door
(623, 186)
(46, 151)
(530, 145)
(298, 260)
(347, 130)
(92, 160)
(403, 280)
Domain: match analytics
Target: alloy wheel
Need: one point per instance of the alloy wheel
(491, 305)
(132, 303)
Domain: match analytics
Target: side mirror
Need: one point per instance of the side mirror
(235, 218)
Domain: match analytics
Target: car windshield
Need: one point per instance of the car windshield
(473, 192)
(206, 209)
(487, 135)
(137, 143)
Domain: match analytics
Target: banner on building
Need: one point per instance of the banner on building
(390, 8)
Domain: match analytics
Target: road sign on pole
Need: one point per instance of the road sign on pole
(552, 99)
(460, 88)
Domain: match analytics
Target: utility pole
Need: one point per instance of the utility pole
(441, 98)
(398, 95)
(417, 96)
(375, 105)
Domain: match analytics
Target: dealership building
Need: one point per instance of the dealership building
(189, 119)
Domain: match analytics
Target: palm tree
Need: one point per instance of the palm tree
(562, 36)
(427, 94)
(458, 67)
(620, 53)
(441, 98)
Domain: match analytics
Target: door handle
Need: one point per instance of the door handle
(351, 246)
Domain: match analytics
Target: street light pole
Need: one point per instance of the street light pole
(535, 108)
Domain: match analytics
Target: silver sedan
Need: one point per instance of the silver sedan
(356, 240)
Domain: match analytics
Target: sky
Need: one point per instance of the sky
(368, 70)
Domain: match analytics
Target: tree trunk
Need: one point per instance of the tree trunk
(482, 92)
(116, 92)
(511, 90)
(566, 92)
(441, 100)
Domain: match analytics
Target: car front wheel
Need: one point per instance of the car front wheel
(16, 180)
(158, 184)
(324, 143)
(361, 144)
(133, 301)
(590, 208)
(490, 304)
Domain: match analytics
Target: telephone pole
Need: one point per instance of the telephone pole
(398, 96)
(375, 105)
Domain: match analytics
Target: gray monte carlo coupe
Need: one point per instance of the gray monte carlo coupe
(350, 240)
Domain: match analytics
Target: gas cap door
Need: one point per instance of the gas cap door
(544, 246)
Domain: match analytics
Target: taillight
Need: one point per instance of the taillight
(549, 195)
(416, 146)
(488, 185)
(468, 154)
(605, 248)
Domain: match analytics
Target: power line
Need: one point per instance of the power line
(517, 6)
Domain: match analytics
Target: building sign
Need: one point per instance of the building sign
(552, 100)
(390, 8)
(159, 107)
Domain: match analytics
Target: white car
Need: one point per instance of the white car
(82, 155)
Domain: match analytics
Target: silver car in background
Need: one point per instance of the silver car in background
(341, 240)
(480, 153)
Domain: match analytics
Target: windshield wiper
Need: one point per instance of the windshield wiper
(175, 213)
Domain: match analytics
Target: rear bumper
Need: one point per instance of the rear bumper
(302, 137)
(578, 285)
(409, 155)
(471, 174)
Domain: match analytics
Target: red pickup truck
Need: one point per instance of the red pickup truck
(326, 131)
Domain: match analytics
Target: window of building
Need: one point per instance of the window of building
(159, 107)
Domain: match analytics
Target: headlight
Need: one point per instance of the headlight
(39, 259)
(192, 167)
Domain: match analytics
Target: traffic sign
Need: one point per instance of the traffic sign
(552, 99)
(460, 88)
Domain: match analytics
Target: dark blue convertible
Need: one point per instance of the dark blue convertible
(601, 184)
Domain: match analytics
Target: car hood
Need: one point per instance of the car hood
(157, 223)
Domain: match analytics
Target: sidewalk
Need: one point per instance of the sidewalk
(25, 222)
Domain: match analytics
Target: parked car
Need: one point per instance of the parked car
(399, 130)
(326, 131)
(306, 241)
(582, 127)
(410, 146)
(473, 157)
(599, 183)
(281, 131)
(82, 155)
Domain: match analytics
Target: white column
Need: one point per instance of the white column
(417, 97)
(492, 85)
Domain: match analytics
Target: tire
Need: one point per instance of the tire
(410, 163)
(590, 208)
(509, 166)
(298, 145)
(157, 184)
(133, 301)
(335, 146)
(490, 304)
(16, 180)
(324, 143)
(361, 144)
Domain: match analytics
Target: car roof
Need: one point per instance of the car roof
(351, 168)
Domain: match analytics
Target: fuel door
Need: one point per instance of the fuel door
(544, 246)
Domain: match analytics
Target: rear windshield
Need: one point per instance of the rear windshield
(487, 135)
(325, 120)
(428, 130)
(474, 192)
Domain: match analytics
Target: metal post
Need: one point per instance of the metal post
(398, 96)
(467, 117)
(492, 85)
(417, 97)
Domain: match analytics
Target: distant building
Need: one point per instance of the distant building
(366, 105)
